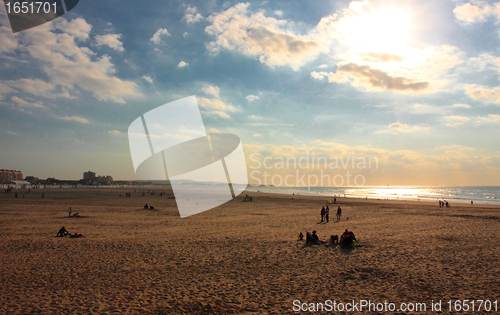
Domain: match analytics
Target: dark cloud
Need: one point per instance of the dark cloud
(381, 80)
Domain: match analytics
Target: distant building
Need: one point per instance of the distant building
(104, 180)
(32, 179)
(90, 176)
(10, 175)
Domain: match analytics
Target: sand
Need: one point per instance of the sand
(239, 258)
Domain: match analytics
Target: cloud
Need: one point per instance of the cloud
(255, 35)
(252, 97)
(23, 103)
(69, 66)
(456, 120)
(115, 132)
(399, 127)
(75, 118)
(8, 39)
(110, 40)
(377, 57)
(332, 77)
(182, 64)
(478, 12)
(215, 104)
(257, 135)
(379, 80)
(255, 117)
(323, 66)
(211, 90)
(492, 118)
(148, 78)
(191, 15)
(157, 36)
(458, 105)
(479, 92)
(454, 147)
(372, 79)
(213, 130)
(37, 87)
(218, 113)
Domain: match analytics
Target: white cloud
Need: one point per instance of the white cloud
(211, 90)
(478, 12)
(37, 87)
(399, 127)
(255, 35)
(323, 66)
(75, 118)
(252, 97)
(215, 104)
(213, 130)
(115, 132)
(454, 147)
(157, 36)
(148, 78)
(8, 40)
(456, 120)
(480, 92)
(23, 103)
(191, 15)
(182, 64)
(185, 34)
(110, 40)
(492, 118)
(69, 66)
(458, 105)
(278, 13)
(257, 135)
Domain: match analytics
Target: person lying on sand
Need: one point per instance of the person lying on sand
(76, 235)
(62, 232)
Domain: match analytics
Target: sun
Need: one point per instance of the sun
(383, 30)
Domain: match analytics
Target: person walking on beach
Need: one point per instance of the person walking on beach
(323, 214)
(339, 214)
(327, 214)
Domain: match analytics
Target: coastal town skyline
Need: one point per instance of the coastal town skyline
(414, 84)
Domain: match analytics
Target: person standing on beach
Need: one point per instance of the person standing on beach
(69, 211)
(327, 214)
(323, 214)
(339, 214)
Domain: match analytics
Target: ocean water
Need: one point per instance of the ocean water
(462, 194)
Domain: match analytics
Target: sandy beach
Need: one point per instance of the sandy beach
(239, 258)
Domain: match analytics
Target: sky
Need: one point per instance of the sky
(411, 85)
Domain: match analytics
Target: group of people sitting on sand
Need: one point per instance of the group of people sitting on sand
(247, 198)
(347, 239)
(148, 207)
(63, 232)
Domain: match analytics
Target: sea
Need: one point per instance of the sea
(459, 194)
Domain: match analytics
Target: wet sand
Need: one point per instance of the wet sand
(239, 258)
